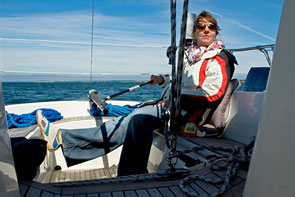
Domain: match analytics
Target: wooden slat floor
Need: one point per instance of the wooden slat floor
(126, 186)
(90, 184)
(79, 175)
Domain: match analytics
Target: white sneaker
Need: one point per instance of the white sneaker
(48, 132)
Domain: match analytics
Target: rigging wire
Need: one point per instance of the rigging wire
(169, 136)
(171, 129)
(91, 55)
(181, 57)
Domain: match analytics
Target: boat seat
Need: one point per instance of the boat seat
(256, 79)
(215, 119)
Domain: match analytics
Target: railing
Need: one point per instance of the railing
(263, 48)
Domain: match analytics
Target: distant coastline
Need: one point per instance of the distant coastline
(41, 78)
(44, 81)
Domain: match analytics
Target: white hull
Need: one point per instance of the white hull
(76, 115)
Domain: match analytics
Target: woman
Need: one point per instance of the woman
(207, 71)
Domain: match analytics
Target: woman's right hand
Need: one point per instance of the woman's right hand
(164, 104)
(155, 79)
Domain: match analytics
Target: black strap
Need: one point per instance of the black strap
(106, 139)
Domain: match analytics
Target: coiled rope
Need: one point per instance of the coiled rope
(25, 120)
(218, 162)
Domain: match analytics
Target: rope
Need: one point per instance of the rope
(130, 178)
(218, 162)
(174, 106)
(113, 110)
(170, 137)
(25, 120)
(231, 171)
(180, 58)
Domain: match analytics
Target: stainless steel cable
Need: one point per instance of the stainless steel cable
(91, 52)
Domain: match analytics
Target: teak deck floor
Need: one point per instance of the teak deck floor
(80, 175)
(101, 182)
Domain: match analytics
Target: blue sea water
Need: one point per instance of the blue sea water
(27, 92)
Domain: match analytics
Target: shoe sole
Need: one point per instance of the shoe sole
(42, 125)
(44, 128)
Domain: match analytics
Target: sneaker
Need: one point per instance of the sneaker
(48, 132)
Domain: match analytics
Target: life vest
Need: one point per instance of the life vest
(215, 70)
(207, 79)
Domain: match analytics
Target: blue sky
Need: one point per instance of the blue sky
(130, 36)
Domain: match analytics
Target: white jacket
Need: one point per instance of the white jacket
(206, 79)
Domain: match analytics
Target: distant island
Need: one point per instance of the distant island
(42, 78)
(48, 78)
(44, 81)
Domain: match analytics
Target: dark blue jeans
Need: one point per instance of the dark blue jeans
(134, 131)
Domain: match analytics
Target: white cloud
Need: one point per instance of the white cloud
(60, 42)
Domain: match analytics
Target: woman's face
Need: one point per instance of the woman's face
(205, 33)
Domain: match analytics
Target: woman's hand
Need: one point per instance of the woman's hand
(155, 79)
(164, 104)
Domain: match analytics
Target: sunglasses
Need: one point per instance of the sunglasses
(203, 26)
